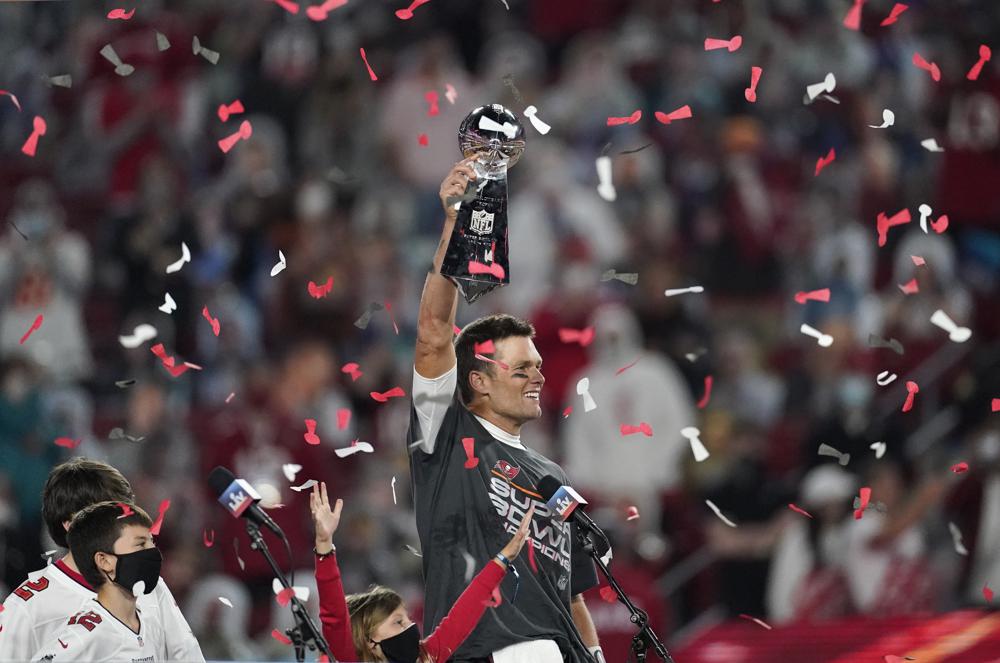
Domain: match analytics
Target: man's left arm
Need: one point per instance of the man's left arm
(585, 625)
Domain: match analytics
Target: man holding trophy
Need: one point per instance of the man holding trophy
(473, 479)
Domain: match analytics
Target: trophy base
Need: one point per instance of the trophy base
(473, 289)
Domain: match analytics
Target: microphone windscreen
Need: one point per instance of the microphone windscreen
(219, 479)
(547, 486)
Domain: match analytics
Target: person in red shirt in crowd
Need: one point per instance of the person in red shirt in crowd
(379, 627)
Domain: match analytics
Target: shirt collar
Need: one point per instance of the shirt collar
(500, 434)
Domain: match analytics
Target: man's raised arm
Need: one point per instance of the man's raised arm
(435, 353)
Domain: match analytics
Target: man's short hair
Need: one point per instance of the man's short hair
(490, 328)
(76, 484)
(95, 529)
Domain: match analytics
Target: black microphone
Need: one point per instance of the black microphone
(240, 499)
(568, 505)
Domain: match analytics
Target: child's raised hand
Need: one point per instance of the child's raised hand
(513, 547)
(325, 520)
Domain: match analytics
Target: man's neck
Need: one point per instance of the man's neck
(69, 561)
(119, 603)
(503, 423)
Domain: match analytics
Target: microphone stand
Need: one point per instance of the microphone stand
(305, 634)
(645, 638)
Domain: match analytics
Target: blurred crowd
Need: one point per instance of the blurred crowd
(335, 177)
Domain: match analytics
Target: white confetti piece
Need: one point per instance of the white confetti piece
(411, 549)
(878, 448)
(185, 258)
(532, 114)
(719, 513)
(824, 340)
(606, 188)
(393, 490)
(140, 335)
(226, 602)
(697, 448)
(162, 43)
(955, 333)
(470, 566)
(306, 486)
(931, 145)
(683, 291)
(280, 266)
(828, 85)
(956, 538)
(290, 470)
(888, 119)
(169, 305)
(583, 389)
(301, 593)
(353, 449)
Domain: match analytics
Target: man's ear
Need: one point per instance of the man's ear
(105, 563)
(477, 380)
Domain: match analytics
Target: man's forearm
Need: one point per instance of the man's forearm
(584, 624)
(439, 300)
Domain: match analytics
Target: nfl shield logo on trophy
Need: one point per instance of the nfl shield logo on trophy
(481, 222)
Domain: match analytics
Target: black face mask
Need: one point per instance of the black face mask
(404, 647)
(139, 565)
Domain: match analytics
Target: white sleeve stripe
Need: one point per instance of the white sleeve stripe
(431, 399)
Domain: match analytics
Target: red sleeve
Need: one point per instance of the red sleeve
(465, 614)
(333, 609)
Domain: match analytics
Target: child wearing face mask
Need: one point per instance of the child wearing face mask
(375, 626)
(114, 549)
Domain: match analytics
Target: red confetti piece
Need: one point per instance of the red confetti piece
(234, 108)
(912, 388)
(632, 513)
(929, 67)
(230, 397)
(320, 12)
(407, 13)
(751, 92)
(958, 468)
(230, 141)
(371, 74)
(941, 224)
(631, 119)
(799, 510)
(531, 556)
(987, 593)
(386, 395)
(469, 444)
(582, 336)
(823, 162)
(170, 363)
(479, 268)
(68, 442)
(288, 6)
(485, 348)
(126, 510)
(353, 369)
(343, 418)
(158, 523)
(212, 321)
(866, 496)
(456, 329)
(310, 435)
(893, 16)
(853, 19)
(120, 14)
(284, 597)
(34, 325)
(984, 56)
(492, 361)
(208, 538)
(13, 98)
(423, 140)
(708, 393)
(280, 637)
(883, 223)
(643, 428)
(625, 368)
(995, 405)
(568, 411)
(918, 261)
(320, 291)
(729, 44)
(431, 97)
(682, 113)
(608, 594)
(759, 622)
(910, 287)
(814, 295)
(392, 318)
(31, 144)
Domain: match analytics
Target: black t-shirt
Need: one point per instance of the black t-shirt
(476, 511)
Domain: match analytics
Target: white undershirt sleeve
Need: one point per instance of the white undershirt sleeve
(431, 399)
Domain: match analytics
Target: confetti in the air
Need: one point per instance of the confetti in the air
(682, 113)
(229, 142)
(395, 392)
(693, 436)
(582, 336)
(67, 442)
(885, 378)
(305, 486)
(207, 53)
(750, 93)
(878, 448)
(718, 512)
(828, 85)
(605, 186)
(958, 468)
(866, 496)
(226, 602)
(431, 97)
(568, 411)
(364, 58)
(631, 278)
(956, 333)
(956, 539)
(320, 291)
(393, 486)
(126, 510)
(228, 110)
(392, 318)
(931, 145)
(109, 54)
(290, 470)
(912, 388)
(827, 450)
(707, 394)
(644, 428)
(823, 340)
(984, 56)
(140, 335)
(532, 114)
(413, 551)
(632, 513)
(450, 93)
(759, 622)
(929, 67)
(888, 119)
(120, 14)
(170, 363)
(695, 289)
(162, 43)
(893, 16)
(875, 341)
(38, 130)
(627, 366)
(280, 265)
(214, 322)
(629, 119)
(62, 80)
(280, 637)
(813, 295)
(158, 523)
(36, 325)
(883, 223)
(910, 287)
(343, 418)
(799, 510)
(995, 405)
(494, 269)
(406, 13)
(13, 98)
(124, 384)
(310, 435)
(185, 258)
(583, 389)
(321, 12)
(169, 305)
(355, 447)
(366, 317)
(728, 44)
(469, 444)
(853, 19)
(120, 434)
(353, 370)
(987, 593)
(823, 162)
(208, 538)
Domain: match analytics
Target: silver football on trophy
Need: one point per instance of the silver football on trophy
(496, 135)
